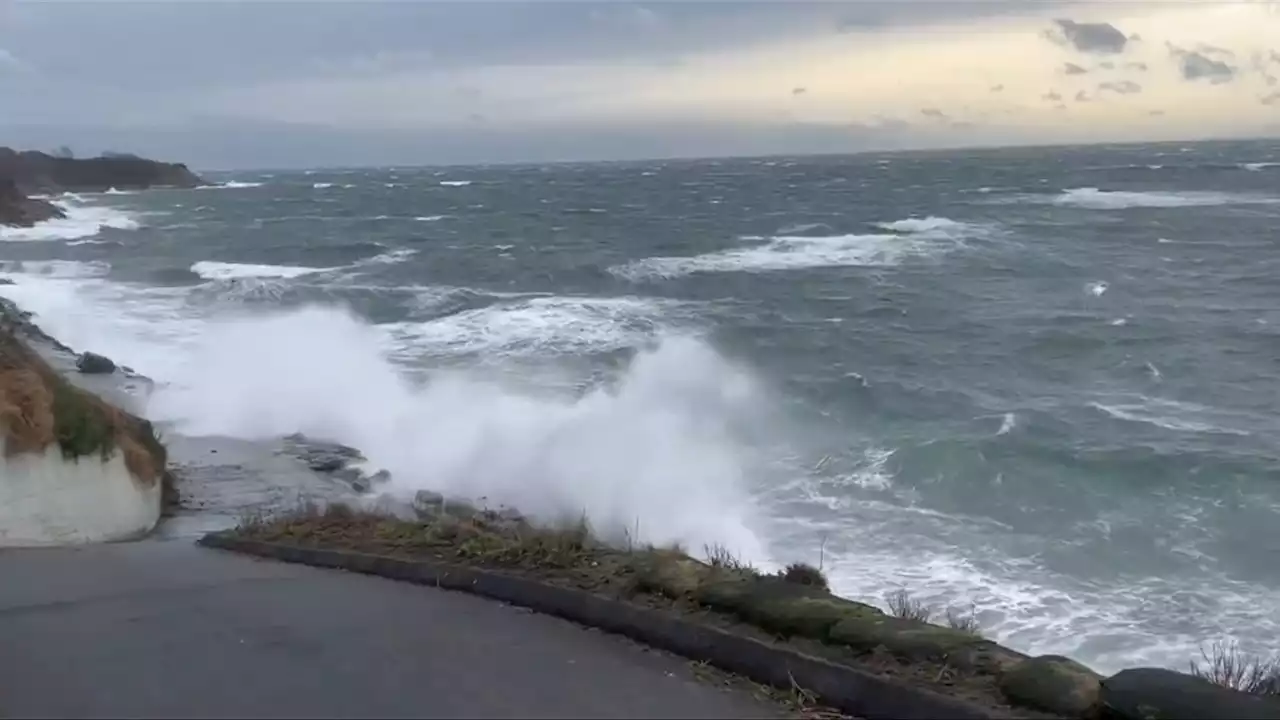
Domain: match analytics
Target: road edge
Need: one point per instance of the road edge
(845, 688)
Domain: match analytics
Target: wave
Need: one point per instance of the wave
(430, 218)
(1259, 166)
(55, 268)
(455, 183)
(211, 270)
(81, 221)
(1094, 199)
(657, 452)
(541, 326)
(918, 238)
(231, 185)
(1171, 415)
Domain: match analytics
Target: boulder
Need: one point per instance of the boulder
(95, 364)
(1160, 694)
(1054, 684)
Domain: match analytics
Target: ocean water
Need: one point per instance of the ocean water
(1040, 383)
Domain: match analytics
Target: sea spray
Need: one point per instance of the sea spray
(659, 452)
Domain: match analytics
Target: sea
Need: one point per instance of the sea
(1036, 384)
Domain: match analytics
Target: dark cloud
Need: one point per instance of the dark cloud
(1198, 66)
(1270, 99)
(1107, 65)
(934, 113)
(1155, 113)
(1082, 96)
(1208, 49)
(1274, 56)
(1122, 87)
(1135, 37)
(997, 88)
(1092, 37)
(1139, 66)
(1052, 96)
(799, 90)
(1073, 69)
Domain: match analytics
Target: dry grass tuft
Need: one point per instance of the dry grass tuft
(1226, 665)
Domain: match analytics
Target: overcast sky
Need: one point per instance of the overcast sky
(239, 84)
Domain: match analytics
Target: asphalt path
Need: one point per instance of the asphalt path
(168, 629)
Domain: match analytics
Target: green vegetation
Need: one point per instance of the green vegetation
(80, 425)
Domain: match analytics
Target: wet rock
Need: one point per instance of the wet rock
(335, 460)
(18, 210)
(95, 364)
(427, 503)
(6, 281)
(1053, 683)
(1160, 694)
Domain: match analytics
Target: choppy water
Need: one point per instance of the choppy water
(1039, 381)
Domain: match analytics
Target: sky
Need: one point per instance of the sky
(253, 83)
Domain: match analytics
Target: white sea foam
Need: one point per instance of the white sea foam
(81, 221)
(55, 268)
(455, 183)
(430, 218)
(231, 185)
(1258, 166)
(1173, 415)
(540, 326)
(211, 270)
(1094, 199)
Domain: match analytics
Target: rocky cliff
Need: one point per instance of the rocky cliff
(73, 467)
(38, 173)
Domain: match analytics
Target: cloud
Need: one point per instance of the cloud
(1073, 69)
(1093, 37)
(1138, 66)
(799, 90)
(1052, 96)
(1270, 99)
(997, 88)
(1208, 49)
(1082, 96)
(1198, 66)
(934, 113)
(1107, 65)
(1122, 87)
(1155, 113)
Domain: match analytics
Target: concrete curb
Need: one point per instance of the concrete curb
(846, 688)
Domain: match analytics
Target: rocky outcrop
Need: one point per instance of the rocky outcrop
(18, 210)
(73, 467)
(36, 173)
(94, 364)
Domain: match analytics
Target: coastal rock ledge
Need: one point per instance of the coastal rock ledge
(73, 468)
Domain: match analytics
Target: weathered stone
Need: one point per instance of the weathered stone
(1054, 684)
(428, 503)
(95, 364)
(1160, 694)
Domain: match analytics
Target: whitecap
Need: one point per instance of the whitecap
(212, 270)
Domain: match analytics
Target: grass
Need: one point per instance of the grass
(80, 427)
(1226, 665)
(792, 605)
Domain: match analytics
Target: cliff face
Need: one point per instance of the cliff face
(18, 210)
(73, 467)
(37, 173)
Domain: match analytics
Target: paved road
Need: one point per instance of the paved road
(166, 629)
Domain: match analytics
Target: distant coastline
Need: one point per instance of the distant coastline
(24, 174)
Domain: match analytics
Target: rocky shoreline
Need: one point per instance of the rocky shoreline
(24, 174)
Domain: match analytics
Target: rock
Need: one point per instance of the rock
(95, 364)
(427, 503)
(1160, 694)
(18, 210)
(1054, 684)
(5, 281)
